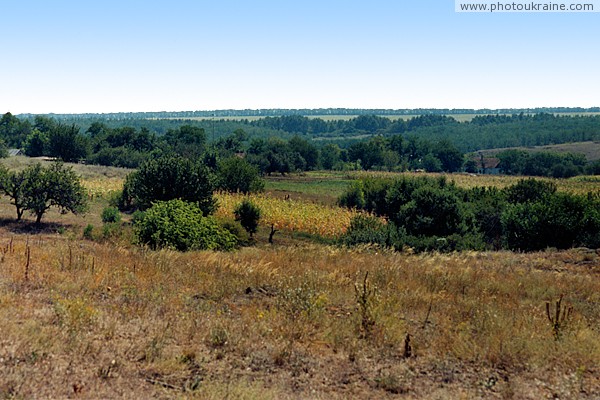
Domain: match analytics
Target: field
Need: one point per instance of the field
(296, 319)
(591, 150)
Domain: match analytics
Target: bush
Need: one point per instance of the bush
(236, 229)
(248, 214)
(365, 229)
(111, 214)
(180, 225)
(432, 212)
(167, 178)
(353, 197)
(237, 175)
(560, 221)
(88, 232)
(529, 190)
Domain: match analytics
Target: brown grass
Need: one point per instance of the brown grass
(105, 319)
(99, 320)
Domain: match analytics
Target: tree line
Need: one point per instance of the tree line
(397, 147)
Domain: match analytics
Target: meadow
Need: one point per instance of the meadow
(103, 318)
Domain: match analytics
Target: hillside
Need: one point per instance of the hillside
(103, 318)
(590, 149)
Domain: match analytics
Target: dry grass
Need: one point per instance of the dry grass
(87, 319)
(98, 320)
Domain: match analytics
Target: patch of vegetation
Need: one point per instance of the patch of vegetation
(181, 225)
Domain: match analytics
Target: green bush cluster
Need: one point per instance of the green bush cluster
(433, 214)
(181, 225)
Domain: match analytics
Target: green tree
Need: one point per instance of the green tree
(66, 143)
(235, 174)
(36, 144)
(171, 177)
(12, 185)
(248, 214)
(54, 186)
(330, 155)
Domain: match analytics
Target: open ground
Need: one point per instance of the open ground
(103, 318)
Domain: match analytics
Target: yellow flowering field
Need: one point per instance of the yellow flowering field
(292, 215)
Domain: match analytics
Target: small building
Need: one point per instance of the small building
(15, 152)
(487, 165)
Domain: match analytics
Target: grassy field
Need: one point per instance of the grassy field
(591, 150)
(103, 318)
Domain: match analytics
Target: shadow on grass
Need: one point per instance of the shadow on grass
(30, 227)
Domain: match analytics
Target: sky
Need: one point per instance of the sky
(64, 56)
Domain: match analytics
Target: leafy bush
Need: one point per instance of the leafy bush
(365, 229)
(248, 214)
(111, 214)
(88, 232)
(167, 178)
(432, 212)
(237, 175)
(528, 190)
(560, 221)
(354, 196)
(180, 225)
(236, 229)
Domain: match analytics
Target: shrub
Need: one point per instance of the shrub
(235, 228)
(88, 232)
(248, 214)
(167, 178)
(432, 212)
(180, 225)
(354, 197)
(560, 221)
(528, 190)
(237, 175)
(110, 215)
(366, 229)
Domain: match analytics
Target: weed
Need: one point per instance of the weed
(560, 319)
(218, 336)
(88, 232)
(364, 296)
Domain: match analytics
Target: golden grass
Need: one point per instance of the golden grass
(99, 320)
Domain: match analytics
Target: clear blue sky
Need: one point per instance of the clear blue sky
(66, 56)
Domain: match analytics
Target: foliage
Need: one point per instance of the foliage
(560, 220)
(36, 143)
(88, 232)
(180, 225)
(12, 184)
(66, 143)
(37, 189)
(167, 178)
(529, 190)
(431, 214)
(543, 163)
(237, 175)
(366, 229)
(248, 214)
(54, 186)
(110, 215)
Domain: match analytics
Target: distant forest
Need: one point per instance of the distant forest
(432, 141)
